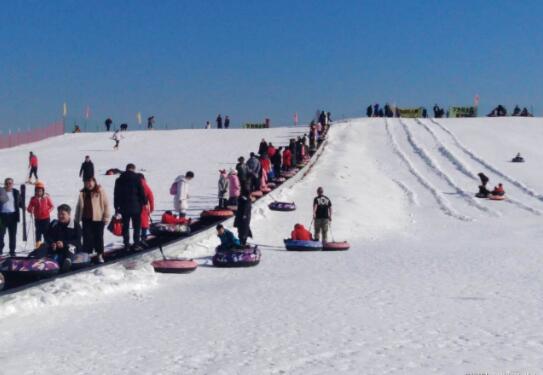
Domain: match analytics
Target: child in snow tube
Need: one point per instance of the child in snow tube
(518, 159)
(169, 218)
(498, 191)
(229, 241)
(300, 233)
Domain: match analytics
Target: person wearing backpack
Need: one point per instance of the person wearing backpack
(180, 191)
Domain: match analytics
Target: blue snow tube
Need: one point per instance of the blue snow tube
(282, 206)
(302, 245)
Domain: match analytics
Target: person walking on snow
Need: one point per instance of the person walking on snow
(87, 169)
(150, 122)
(322, 215)
(117, 136)
(92, 211)
(40, 207)
(10, 203)
(181, 198)
(128, 200)
(223, 186)
(33, 166)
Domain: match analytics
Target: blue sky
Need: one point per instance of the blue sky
(187, 61)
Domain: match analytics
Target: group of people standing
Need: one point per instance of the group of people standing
(124, 126)
(220, 122)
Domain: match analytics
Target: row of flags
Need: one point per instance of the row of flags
(88, 113)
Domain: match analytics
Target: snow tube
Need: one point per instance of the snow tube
(517, 160)
(174, 265)
(479, 195)
(279, 180)
(300, 165)
(161, 229)
(257, 194)
(336, 246)
(213, 214)
(496, 197)
(250, 256)
(232, 208)
(265, 190)
(289, 174)
(81, 260)
(113, 171)
(28, 267)
(272, 185)
(302, 245)
(282, 206)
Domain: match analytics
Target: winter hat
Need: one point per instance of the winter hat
(39, 185)
(221, 171)
(233, 171)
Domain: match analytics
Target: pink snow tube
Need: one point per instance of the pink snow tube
(265, 190)
(257, 194)
(336, 246)
(174, 265)
(216, 214)
(496, 197)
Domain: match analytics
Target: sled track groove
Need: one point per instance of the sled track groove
(441, 201)
(448, 154)
(487, 165)
(433, 165)
(411, 195)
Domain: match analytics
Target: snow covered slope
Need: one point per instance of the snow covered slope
(436, 282)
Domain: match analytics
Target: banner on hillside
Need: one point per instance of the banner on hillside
(255, 126)
(410, 112)
(462, 111)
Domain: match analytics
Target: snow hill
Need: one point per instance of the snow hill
(436, 281)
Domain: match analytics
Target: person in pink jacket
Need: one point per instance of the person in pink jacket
(234, 188)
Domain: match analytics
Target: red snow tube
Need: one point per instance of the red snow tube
(496, 197)
(272, 185)
(174, 265)
(265, 190)
(336, 246)
(257, 194)
(216, 213)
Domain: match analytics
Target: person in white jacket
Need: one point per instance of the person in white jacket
(181, 198)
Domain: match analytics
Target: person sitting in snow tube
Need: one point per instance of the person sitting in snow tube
(113, 171)
(169, 218)
(498, 191)
(518, 159)
(62, 240)
(229, 241)
(300, 233)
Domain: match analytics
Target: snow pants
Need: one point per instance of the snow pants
(321, 226)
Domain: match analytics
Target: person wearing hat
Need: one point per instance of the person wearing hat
(223, 185)
(62, 241)
(233, 188)
(10, 202)
(87, 169)
(181, 198)
(40, 208)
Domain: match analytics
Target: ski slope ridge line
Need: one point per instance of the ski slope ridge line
(433, 165)
(441, 201)
(487, 165)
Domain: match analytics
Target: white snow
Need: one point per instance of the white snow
(436, 282)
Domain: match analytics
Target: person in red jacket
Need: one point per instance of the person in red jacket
(147, 209)
(40, 207)
(300, 233)
(169, 218)
(498, 191)
(271, 150)
(33, 165)
(287, 159)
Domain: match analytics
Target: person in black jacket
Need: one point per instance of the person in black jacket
(226, 122)
(369, 111)
(263, 147)
(10, 203)
(62, 240)
(87, 169)
(219, 122)
(243, 174)
(108, 123)
(128, 200)
(243, 217)
(276, 162)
